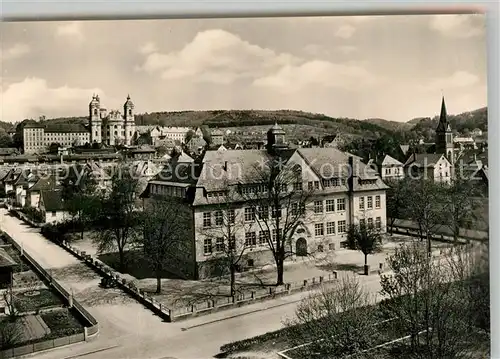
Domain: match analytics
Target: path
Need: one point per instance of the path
(129, 331)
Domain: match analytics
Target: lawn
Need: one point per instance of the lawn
(32, 300)
(62, 323)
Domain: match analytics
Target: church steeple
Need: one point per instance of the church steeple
(443, 125)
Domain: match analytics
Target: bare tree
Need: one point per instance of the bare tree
(10, 301)
(335, 322)
(426, 208)
(118, 219)
(164, 226)
(274, 193)
(460, 205)
(222, 236)
(423, 294)
(11, 333)
(364, 238)
(398, 197)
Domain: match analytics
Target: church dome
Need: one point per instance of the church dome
(129, 102)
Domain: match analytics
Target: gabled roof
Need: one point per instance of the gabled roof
(13, 175)
(389, 161)
(424, 159)
(52, 200)
(217, 132)
(184, 158)
(45, 183)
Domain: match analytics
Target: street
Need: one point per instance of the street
(130, 331)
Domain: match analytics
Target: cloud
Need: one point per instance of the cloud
(14, 52)
(346, 49)
(216, 56)
(345, 31)
(459, 26)
(72, 30)
(459, 79)
(148, 48)
(32, 98)
(319, 73)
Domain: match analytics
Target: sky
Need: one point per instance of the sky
(391, 67)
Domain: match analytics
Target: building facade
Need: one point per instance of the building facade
(229, 177)
(38, 137)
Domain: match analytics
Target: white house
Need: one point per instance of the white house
(52, 205)
(391, 168)
(431, 166)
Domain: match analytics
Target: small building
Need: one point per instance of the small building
(391, 168)
(45, 183)
(7, 265)
(52, 205)
(431, 166)
(142, 153)
(196, 145)
(217, 137)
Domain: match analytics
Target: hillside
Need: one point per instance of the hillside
(244, 118)
(390, 125)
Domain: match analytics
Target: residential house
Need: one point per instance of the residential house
(23, 183)
(52, 205)
(430, 166)
(142, 153)
(338, 200)
(217, 137)
(45, 183)
(391, 168)
(196, 145)
(221, 148)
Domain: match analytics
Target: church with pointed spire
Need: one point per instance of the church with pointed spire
(444, 135)
(113, 127)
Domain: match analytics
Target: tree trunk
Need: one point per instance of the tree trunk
(232, 269)
(121, 254)
(366, 268)
(429, 246)
(280, 272)
(158, 282)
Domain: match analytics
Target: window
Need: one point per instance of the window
(362, 222)
(370, 222)
(378, 223)
(318, 206)
(249, 214)
(387, 171)
(263, 212)
(219, 220)
(54, 213)
(377, 201)
(316, 184)
(361, 202)
(231, 215)
(320, 248)
(369, 202)
(330, 205)
(310, 186)
(330, 227)
(207, 219)
(297, 186)
(264, 236)
(207, 246)
(341, 204)
(276, 212)
(319, 229)
(250, 239)
(341, 226)
(331, 246)
(219, 244)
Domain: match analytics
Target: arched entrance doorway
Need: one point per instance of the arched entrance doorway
(301, 247)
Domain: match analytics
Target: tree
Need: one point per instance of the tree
(460, 205)
(10, 302)
(397, 200)
(426, 207)
(119, 218)
(229, 252)
(189, 136)
(364, 238)
(277, 202)
(5, 139)
(81, 196)
(424, 295)
(164, 226)
(338, 321)
(11, 333)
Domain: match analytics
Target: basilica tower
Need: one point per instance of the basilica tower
(95, 122)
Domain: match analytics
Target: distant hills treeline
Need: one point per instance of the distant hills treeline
(370, 128)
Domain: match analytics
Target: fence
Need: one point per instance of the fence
(205, 307)
(89, 332)
(441, 233)
(45, 345)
